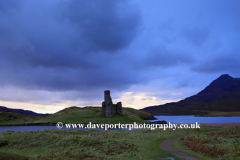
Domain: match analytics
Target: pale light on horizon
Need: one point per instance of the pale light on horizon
(136, 101)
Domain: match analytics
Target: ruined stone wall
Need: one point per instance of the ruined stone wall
(119, 108)
(114, 109)
(108, 104)
(108, 108)
(103, 108)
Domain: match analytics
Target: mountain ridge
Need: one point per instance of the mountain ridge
(21, 111)
(222, 95)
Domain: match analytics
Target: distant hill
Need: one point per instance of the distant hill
(76, 115)
(222, 95)
(21, 111)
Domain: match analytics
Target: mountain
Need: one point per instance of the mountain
(221, 95)
(21, 111)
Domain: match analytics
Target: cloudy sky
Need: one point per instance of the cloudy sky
(60, 53)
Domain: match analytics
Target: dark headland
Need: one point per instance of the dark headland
(220, 98)
(21, 111)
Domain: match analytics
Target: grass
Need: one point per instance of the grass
(110, 144)
(216, 145)
(91, 144)
(77, 115)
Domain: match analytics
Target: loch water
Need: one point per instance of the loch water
(171, 119)
(192, 119)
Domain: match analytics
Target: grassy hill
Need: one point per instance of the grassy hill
(76, 115)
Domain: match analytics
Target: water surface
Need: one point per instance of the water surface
(192, 119)
(172, 119)
(35, 128)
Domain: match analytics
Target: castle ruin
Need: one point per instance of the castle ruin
(108, 108)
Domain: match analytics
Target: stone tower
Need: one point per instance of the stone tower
(108, 108)
(108, 104)
(119, 108)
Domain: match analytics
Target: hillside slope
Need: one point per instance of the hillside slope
(20, 111)
(222, 95)
(76, 115)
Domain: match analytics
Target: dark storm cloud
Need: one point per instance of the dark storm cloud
(55, 41)
(106, 25)
(8, 5)
(162, 57)
(66, 46)
(79, 48)
(196, 36)
(223, 63)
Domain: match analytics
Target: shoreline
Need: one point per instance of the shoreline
(200, 115)
(211, 125)
(29, 124)
(216, 125)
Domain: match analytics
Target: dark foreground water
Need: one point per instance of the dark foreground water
(26, 128)
(192, 119)
(35, 128)
(172, 119)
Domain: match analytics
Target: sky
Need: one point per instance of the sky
(61, 53)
